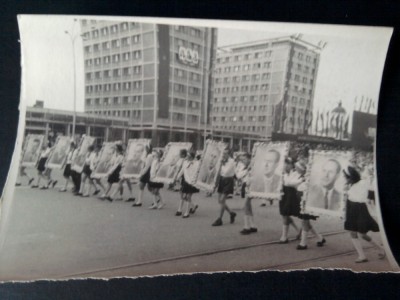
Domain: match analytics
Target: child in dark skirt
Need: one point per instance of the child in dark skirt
(113, 174)
(289, 205)
(154, 187)
(187, 175)
(249, 225)
(144, 177)
(67, 167)
(306, 225)
(358, 219)
(88, 168)
(43, 172)
(225, 187)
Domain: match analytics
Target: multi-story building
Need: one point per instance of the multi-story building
(263, 87)
(156, 76)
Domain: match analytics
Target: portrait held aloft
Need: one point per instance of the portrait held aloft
(135, 158)
(210, 164)
(60, 152)
(105, 161)
(171, 162)
(325, 183)
(78, 163)
(266, 170)
(31, 152)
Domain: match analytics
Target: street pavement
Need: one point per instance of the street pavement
(57, 235)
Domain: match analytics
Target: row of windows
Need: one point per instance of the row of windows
(180, 88)
(241, 99)
(182, 103)
(242, 128)
(240, 119)
(135, 55)
(304, 80)
(246, 67)
(137, 70)
(189, 30)
(113, 29)
(114, 44)
(246, 56)
(240, 108)
(182, 74)
(308, 58)
(114, 100)
(181, 117)
(126, 86)
(244, 78)
(304, 68)
(120, 113)
(244, 88)
(301, 101)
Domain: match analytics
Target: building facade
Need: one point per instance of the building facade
(263, 87)
(158, 77)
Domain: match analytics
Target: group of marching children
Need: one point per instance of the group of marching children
(232, 175)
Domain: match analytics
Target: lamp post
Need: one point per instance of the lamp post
(73, 39)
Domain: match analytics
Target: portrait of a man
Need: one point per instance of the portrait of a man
(325, 183)
(60, 152)
(31, 154)
(172, 162)
(210, 164)
(324, 194)
(105, 158)
(135, 157)
(267, 170)
(83, 149)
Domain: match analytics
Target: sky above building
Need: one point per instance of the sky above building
(350, 64)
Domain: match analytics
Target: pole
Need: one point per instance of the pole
(74, 115)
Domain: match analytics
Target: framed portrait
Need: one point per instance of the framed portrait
(135, 158)
(60, 152)
(210, 165)
(32, 148)
(104, 162)
(79, 161)
(169, 166)
(326, 183)
(266, 170)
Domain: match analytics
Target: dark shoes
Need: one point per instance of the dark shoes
(178, 213)
(301, 247)
(130, 200)
(54, 184)
(246, 231)
(137, 204)
(193, 210)
(233, 216)
(321, 243)
(109, 198)
(96, 192)
(218, 222)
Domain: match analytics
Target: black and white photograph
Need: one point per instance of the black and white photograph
(326, 183)
(171, 162)
(193, 146)
(267, 167)
(60, 152)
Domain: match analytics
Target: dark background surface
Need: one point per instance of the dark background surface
(311, 284)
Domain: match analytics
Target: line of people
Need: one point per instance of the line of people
(232, 175)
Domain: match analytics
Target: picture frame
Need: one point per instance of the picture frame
(260, 185)
(169, 169)
(79, 161)
(135, 158)
(60, 152)
(105, 157)
(32, 149)
(322, 177)
(211, 159)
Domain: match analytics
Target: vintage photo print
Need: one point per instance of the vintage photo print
(105, 160)
(32, 149)
(265, 177)
(280, 103)
(326, 184)
(210, 165)
(79, 162)
(171, 162)
(59, 154)
(135, 158)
